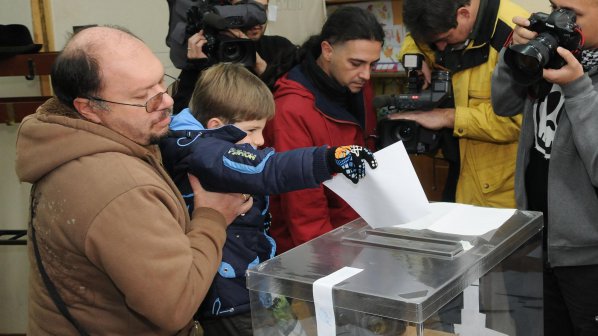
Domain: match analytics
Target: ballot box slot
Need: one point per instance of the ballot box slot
(402, 235)
(406, 242)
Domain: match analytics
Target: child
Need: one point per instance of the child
(216, 139)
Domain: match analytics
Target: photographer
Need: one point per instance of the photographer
(557, 171)
(274, 55)
(466, 43)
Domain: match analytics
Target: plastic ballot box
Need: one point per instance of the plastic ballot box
(356, 280)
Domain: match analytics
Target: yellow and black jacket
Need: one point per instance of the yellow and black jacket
(487, 142)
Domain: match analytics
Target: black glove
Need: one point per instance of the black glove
(349, 160)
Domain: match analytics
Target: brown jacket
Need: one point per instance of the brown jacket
(113, 231)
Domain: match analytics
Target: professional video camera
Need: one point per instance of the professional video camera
(214, 19)
(554, 30)
(417, 139)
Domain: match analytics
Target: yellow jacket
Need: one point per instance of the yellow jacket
(487, 142)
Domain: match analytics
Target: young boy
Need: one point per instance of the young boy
(217, 140)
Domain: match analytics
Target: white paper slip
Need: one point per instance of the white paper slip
(471, 220)
(323, 303)
(388, 195)
(461, 219)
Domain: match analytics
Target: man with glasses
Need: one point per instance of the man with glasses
(112, 247)
(275, 55)
(152, 104)
(464, 37)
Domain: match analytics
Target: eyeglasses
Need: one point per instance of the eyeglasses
(154, 102)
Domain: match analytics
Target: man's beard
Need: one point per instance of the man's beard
(155, 139)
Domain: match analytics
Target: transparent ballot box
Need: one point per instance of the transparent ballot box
(356, 280)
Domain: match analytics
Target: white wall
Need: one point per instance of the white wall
(13, 195)
(534, 5)
(147, 19)
(296, 19)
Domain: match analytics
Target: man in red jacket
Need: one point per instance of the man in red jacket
(325, 100)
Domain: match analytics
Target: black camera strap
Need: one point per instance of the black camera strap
(486, 37)
(52, 291)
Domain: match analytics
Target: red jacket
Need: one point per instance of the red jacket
(305, 117)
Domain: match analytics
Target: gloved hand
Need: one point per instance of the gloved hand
(349, 160)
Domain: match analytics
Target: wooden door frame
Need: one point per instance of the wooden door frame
(43, 32)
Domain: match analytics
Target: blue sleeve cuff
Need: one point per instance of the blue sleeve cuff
(321, 170)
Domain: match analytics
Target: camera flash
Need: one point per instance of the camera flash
(412, 61)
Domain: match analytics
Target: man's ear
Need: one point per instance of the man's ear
(214, 123)
(326, 50)
(83, 106)
(464, 12)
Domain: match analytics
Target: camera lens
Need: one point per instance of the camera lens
(404, 131)
(236, 51)
(526, 63)
(528, 60)
(232, 52)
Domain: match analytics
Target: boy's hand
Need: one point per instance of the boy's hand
(349, 160)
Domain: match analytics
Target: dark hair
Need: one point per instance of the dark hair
(425, 19)
(75, 73)
(76, 70)
(346, 24)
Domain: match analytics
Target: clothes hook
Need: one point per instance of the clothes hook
(31, 66)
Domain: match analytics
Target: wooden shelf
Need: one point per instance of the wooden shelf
(14, 109)
(30, 66)
(27, 64)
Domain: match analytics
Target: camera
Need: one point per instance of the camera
(554, 30)
(213, 19)
(416, 139)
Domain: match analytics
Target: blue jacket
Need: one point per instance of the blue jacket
(223, 166)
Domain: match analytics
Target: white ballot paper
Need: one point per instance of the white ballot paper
(461, 219)
(391, 195)
(388, 195)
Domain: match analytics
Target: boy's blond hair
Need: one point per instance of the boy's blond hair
(230, 92)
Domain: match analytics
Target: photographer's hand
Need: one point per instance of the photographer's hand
(434, 119)
(195, 45)
(568, 73)
(522, 35)
(260, 63)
